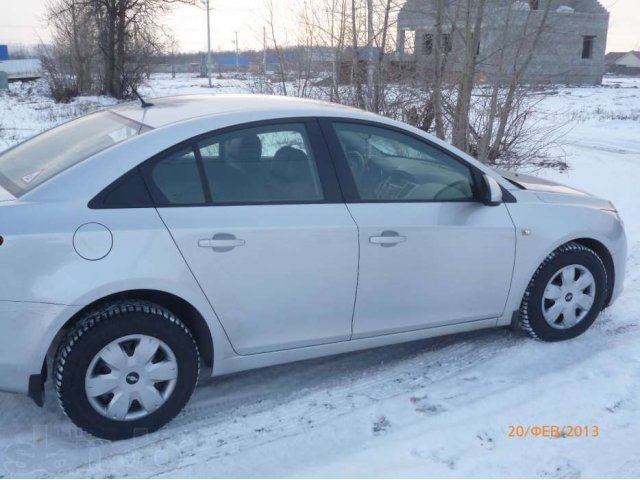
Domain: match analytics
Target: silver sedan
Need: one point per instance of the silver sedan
(144, 247)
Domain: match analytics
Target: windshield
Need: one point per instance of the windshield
(35, 161)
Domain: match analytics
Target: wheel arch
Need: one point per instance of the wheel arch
(587, 241)
(605, 255)
(185, 311)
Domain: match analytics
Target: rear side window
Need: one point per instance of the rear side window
(129, 191)
(267, 164)
(175, 179)
(35, 161)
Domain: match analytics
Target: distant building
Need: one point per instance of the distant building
(571, 49)
(24, 69)
(624, 63)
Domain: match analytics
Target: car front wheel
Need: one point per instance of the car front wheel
(126, 369)
(565, 295)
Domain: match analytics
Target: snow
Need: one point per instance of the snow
(434, 408)
(520, 5)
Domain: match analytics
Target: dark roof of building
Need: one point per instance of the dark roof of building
(613, 56)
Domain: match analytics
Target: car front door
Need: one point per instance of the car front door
(431, 254)
(257, 214)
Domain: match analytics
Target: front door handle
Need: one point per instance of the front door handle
(388, 239)
(222, 242)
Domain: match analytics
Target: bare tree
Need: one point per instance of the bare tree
(282, 61)
(128, 34)
(474, 16)
(527, 47)
(68, 60)
(447, 93)
(105, 41)
(486, 114)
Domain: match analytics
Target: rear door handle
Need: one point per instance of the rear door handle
(388, 239)
(222, 242)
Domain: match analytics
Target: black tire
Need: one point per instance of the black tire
(98, 329)
(531, 315)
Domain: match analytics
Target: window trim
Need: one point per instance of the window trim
(347, 181)
(327, 175)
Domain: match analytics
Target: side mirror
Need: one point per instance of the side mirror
(493, 192)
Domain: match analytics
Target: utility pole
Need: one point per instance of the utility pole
(209, 43)
(370, 35)
(237, 56)
(264, 48)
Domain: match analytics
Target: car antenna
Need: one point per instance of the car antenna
(143, 103)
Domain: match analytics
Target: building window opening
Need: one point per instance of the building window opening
(587, 46)
(410, 42)
(447, 43)
(427, 44)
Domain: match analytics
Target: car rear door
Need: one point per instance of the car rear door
(257, 213)
(431, 254)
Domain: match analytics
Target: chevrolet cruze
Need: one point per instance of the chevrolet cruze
(143, 247)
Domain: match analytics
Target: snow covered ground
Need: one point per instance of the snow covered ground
(440, 407)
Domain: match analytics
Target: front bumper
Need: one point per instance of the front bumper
(619, 256)
(26, 332)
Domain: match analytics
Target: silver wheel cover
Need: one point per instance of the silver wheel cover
(568, 297)
(131, 377)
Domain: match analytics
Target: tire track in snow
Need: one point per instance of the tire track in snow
(315, 392)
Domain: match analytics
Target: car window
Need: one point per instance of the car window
(390, 166)
(175, 179)
(35, 161)
(267, 164)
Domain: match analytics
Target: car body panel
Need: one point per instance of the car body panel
(291, 284)
(28, 328)
(437, 276)
(542, 227)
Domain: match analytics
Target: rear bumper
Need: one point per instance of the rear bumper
(26, 332)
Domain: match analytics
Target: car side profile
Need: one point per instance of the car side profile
(145, 248)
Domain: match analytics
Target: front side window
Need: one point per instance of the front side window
(35, 161)
(390, 166)
(267, 164)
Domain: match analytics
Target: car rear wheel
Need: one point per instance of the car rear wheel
(565, 295)
(126, 370)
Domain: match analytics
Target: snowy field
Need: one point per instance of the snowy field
(434, 408)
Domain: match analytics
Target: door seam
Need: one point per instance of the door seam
(198, 283)
(355, 297)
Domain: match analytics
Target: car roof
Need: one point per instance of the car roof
(169, 110)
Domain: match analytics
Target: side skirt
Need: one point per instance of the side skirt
(238, 363)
